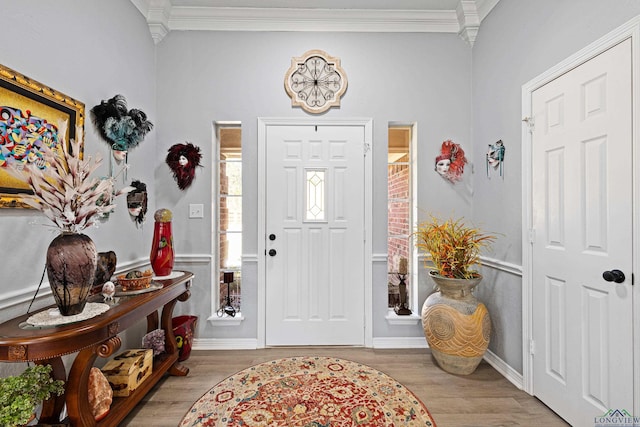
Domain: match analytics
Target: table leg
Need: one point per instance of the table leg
(171, 346)
(76, 388)
(153, 321)
(52, 408)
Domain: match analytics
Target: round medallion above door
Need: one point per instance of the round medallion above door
(315, 81)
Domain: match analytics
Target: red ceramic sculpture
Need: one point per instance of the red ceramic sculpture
(162, 254)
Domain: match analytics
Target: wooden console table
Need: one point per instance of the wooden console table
(97, 337)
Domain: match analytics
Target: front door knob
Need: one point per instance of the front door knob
(613, 276)
(272, 252)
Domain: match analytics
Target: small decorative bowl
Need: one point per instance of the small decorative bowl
(142, 281)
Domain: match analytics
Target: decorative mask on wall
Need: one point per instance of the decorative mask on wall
(495, 158)
(105, 268)
(137, 201)
(450, 163)
(122, 128)
(183, 160)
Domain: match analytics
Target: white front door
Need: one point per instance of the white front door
(315, 258)
(582, 228)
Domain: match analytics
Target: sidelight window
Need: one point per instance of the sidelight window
(400, 196)
(229, 217)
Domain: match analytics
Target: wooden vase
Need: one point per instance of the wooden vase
(456, 325)
(71, 269)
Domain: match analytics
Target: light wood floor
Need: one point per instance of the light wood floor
(484, 398)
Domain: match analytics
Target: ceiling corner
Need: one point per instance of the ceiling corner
(157, 13)
(469, 20)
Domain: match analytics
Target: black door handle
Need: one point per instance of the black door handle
(272, 252)
(613, 276)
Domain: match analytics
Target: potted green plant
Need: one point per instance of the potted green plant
(456, 325)
(21, 394)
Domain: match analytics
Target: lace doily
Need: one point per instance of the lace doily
(52, 316)
(171, 275)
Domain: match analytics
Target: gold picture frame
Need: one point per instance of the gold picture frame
(45, 105)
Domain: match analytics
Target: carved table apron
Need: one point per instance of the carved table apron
(95, 337)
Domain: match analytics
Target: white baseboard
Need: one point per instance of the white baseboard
(420, 342)
(400, 342)
(252, 343)
(505, 370)
(224, 344)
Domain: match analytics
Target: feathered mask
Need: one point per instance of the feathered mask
(137, 201)
(450, 163)
(122, 128)
(183, 160)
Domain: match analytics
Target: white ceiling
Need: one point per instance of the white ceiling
(450, 16)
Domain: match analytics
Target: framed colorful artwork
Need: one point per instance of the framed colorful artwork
(32, 115)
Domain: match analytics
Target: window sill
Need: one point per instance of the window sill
(226, 320)
(395, 320)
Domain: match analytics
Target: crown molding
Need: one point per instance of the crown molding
(162, 17)
(469, 20)
(321, 20)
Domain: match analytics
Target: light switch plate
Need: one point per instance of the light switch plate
(196, 210)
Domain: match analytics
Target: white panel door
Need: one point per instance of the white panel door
(315, 235)
(582, 219)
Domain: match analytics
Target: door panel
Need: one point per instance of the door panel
(315, 208)
(582, 220)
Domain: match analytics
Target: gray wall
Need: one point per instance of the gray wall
(519, 40)
(218, 76)
(89, 51)
(92, 50)
(99, 49)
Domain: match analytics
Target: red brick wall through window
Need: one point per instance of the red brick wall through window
(398, 222)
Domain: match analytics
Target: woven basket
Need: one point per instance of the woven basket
(137, 283)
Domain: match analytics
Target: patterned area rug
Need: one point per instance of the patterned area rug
(308, 392)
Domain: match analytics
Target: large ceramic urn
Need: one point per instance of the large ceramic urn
(71, 269)
(456, 325)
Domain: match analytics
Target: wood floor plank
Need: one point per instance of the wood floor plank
(484, 398)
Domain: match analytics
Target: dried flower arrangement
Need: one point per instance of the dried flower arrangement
(454, 247)
(64, 191)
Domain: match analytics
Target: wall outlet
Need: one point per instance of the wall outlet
(196, 210)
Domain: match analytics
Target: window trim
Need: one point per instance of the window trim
(223, 320)
(325, 183)
(391, 317)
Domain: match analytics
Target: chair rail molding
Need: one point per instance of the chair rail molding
(26, 294)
